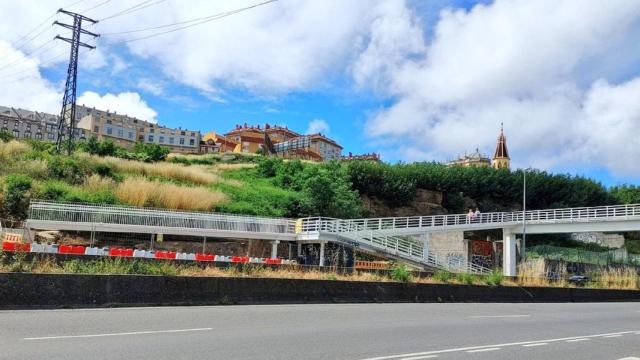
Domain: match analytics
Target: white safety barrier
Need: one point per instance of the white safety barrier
(51, 249)
(181, 256)
(191, 256)
(37, 248)
(139, 253)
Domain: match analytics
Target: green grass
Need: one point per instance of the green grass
(255, 195)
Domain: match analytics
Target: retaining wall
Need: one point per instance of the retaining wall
(26, 290)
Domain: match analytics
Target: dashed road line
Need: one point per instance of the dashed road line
(497, 316)
(117, 334)
(612, 336)
(420, 357)
(577, 340)
(536, 344)
(483, 350)
(498, 346)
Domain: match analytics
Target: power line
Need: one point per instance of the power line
(96, 6)
(198, 21)
(40, 48)
(34, 30)
(49, 60)
(143, 5)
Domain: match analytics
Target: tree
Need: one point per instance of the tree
(16, 203)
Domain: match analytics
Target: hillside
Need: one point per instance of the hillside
(253, 184)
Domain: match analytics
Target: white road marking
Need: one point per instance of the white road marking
(536, 344)
(577, 340)
(483, 350)
(498, 316)
(612, 336)
(421, 357)
(477, 347)
(630, 358)
(117, 334)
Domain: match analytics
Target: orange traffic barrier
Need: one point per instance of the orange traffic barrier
(372, 265)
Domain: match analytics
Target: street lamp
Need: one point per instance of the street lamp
(524, 212)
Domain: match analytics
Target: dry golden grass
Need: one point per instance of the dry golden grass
(11, 150)
(96, 183)
(142, 192)
(34, 168)
(616, 278)
(196, 174)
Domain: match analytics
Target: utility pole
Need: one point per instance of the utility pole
(68, 112)
(524, 212)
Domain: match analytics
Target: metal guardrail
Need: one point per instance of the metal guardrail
(570, 215)
(120, 215)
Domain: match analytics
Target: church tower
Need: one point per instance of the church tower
(501, 158)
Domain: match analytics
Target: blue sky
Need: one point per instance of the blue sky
(412, 80)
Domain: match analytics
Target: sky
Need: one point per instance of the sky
(411, 80)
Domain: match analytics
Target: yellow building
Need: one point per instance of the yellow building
(216, 143)
(476, 159)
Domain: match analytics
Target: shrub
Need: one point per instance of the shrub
(18, 195)
(68, 168)
(465, 278)
(442, 276)
(494, 279)
(154, 152)
(12, 150)
(401, 273)
(5, 136)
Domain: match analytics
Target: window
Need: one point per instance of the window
(27, 135)
(152, 130)
(15, 125)
(171, 140)
(181, 141)
(120, 133)
(192, 142)
(161, 139)
(51, 136)
(39, 136)
(96, 129)
(28, 126)
(130, 135)
(150, 138)
(109, 121)
(109, 131)
(16, 134)
(193, 134)
(182, 133)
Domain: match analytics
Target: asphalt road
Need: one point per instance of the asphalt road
(350, 332)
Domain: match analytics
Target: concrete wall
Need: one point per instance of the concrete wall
(25, 290)
(449, 245)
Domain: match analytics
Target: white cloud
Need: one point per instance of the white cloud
(276, 48)
(129, 103)
(150, 86)
(528, 64)
(26, 87)
(318, 126)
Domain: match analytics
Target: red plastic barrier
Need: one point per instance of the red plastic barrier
(204, 257)
(15, 246)
(78, 250)
(65, 249)
(270, 261)
(165, 255)
(120, 252)
(240, 259)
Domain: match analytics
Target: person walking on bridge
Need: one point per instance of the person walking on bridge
(470, 216)
(476, 215)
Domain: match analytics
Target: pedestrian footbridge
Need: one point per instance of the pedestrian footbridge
(402, 238)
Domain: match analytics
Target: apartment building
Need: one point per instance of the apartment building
(326, 147)
(125, 130)
(27, 124)
(216, 143)
(250, 138)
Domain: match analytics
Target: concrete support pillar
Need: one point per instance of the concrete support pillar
(274, 249)
(321, 262)
(299, 249)
(425, 246)
(508, 252)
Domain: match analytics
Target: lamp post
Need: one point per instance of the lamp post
(524, 212)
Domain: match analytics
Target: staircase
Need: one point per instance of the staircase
(398, 247)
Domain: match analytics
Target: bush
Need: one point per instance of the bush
(5, 136)
(68, 168)
(442, 276)
(494, 279)
(465, 278)
(18, 195)
(153, 152)
(401, 273)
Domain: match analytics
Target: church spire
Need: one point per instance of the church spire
(501, 155)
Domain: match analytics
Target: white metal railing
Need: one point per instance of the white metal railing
(570, 215)
(121, 215)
